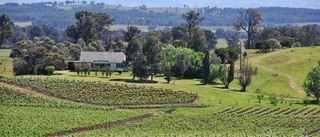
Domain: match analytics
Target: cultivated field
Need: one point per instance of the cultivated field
(68, 104)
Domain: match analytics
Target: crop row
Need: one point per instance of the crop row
(274, 111)
(215, 125)
(102, 93)
(40, 121)
(165, 106)
(12, 97)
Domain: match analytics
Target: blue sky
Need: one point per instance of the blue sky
(200, 3)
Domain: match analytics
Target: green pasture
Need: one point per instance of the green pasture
(5, 62)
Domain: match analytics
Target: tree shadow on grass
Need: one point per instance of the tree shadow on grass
(224, 88)
(134, 81)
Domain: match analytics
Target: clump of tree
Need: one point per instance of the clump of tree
(287, 41)
(153, 50)
(82, 68)
(311, 84)
(197, 39)
(89, 26)
(228, 55)
(5, 28)
(32, 57)
(49, 70)
(191, 65)
(107, 71)
(134, 47)
(265, 46)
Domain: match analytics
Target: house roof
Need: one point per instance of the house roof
(115, 57)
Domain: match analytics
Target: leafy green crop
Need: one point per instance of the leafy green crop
(215, 125)
(102, 93)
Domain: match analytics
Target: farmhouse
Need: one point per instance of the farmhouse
(102, 59)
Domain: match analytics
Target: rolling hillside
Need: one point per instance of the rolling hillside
(282, 72)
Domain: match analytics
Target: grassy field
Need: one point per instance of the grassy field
(280, 74)
(23, 24)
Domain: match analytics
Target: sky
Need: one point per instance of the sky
(314, 4)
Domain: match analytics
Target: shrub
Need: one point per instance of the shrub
(49, 70)
(260, 97)
(168, 75)
(273, 100)
(214, 73)
(287, 42)
(120, 71)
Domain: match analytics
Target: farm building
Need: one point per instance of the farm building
(102, 59)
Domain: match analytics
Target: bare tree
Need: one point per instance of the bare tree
(249, 21)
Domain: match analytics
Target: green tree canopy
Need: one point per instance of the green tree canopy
(89, 26)
(311, 84)
(153, 50)
(5, 28)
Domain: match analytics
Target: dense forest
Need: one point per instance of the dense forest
(59, 15)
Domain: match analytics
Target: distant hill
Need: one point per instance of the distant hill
(198, 3)
(61, 16)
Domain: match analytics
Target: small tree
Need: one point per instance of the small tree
(312, 83)
(260, 97)
(214, 72)
(168, 75)
(77, 68)
(230, 77)
(85, 68)
(119, 71)
(96, 70)
(49, 70)
(273, 100)
(102, 71)
(5, 27)
(206, 68)
(245, 76)
(223, 75)
(183, 62)
(109, 71)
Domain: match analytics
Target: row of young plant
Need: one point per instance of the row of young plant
(305, 112)
(84, 68)
(215, 125)
(12, 97)
(41, 121)
(102, 93)
(164, 106)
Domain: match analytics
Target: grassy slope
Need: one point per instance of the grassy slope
(6, 62)
(282, 72)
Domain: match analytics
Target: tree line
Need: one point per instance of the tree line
(53, 16)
